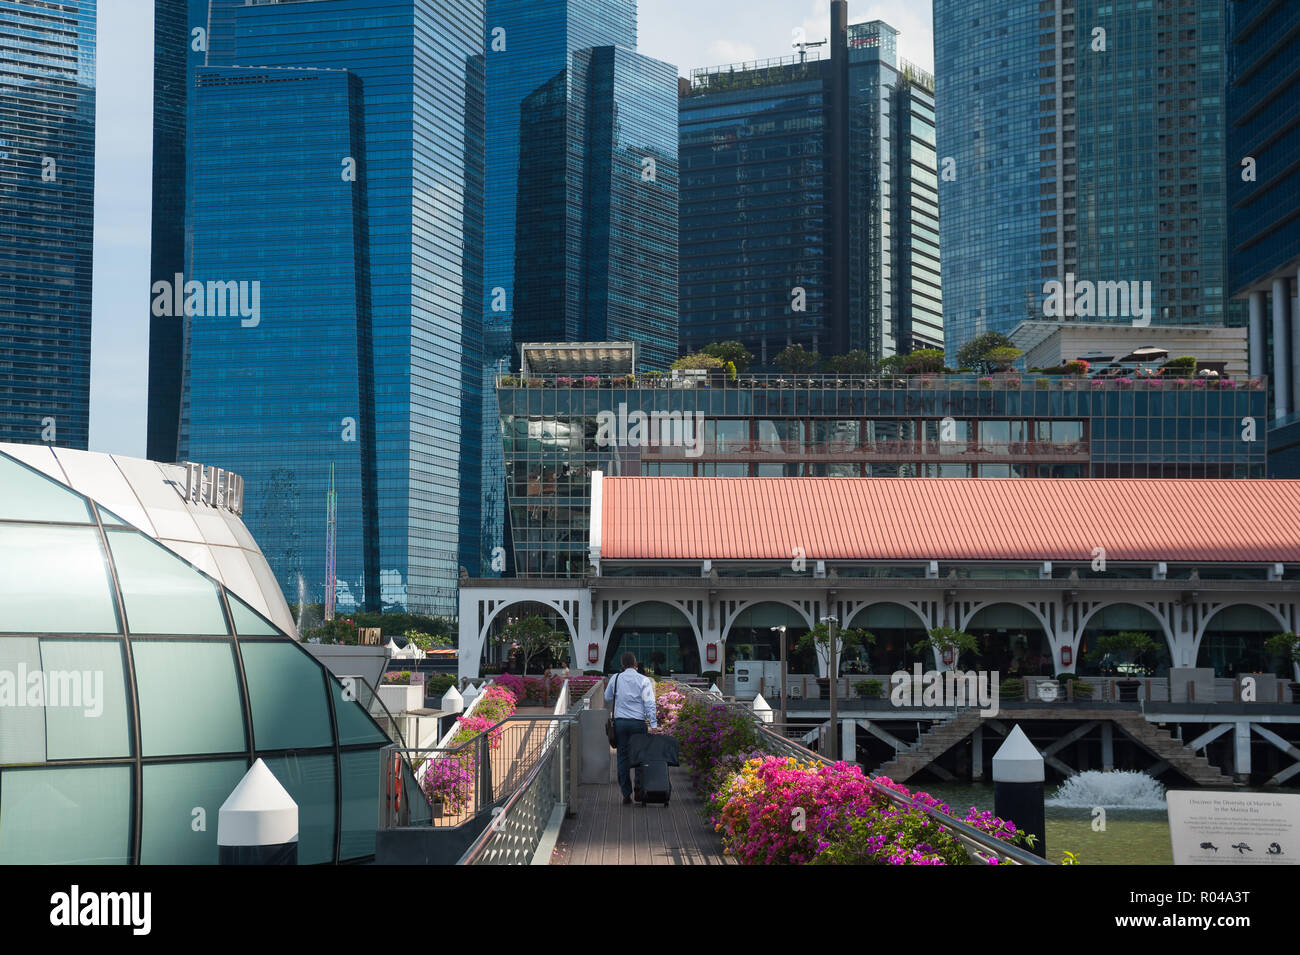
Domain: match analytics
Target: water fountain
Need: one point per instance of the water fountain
(302, 602)
(1118, 789)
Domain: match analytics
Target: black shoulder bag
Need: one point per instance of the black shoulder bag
(609, 723)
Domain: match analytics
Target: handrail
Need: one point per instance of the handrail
(979, 845)
(522, 837)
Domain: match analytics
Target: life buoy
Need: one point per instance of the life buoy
(394, 788)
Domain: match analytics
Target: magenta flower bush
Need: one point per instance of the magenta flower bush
(668, 704)
(773, 810)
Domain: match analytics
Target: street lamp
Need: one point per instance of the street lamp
(830, 622)
(781, 630)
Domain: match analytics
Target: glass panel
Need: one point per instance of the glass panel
(355, 726)
(189, 698)
(108, 517)
(54, 580)
(286, 690)
(172, 793)
(22, 728)
(79, 815)
(162, 593)
(28, 495)
(310, 781)
(85, 699)
(248, 623)
(360, 781)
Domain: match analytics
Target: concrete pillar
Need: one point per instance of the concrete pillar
(258, 822)
(1281, 349)
(977, 754)
(1258, 334)
(1107, 747)
(1241, 750)
(849, 741)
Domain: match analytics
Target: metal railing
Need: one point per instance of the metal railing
(513, 835)
(981, 847)
(1015, 381)
(472, 776)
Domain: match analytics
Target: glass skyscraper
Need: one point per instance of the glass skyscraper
(335, 175)
(580, 229)
(1085, 139)
(1264, 202)
(769, 152)
(47, 206)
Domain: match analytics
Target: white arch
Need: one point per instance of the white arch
(1042, 621)
(925, 624)
(1205, 624)
(1170, 641)
(552, 602)
(746, 605)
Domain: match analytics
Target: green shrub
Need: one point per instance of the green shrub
(870, 689)
(1013, 689)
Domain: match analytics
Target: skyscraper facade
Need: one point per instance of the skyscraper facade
(47, 207)
(335, 181)
(809, 201)
(580, 227)
(1264, 194)
(1084, 139)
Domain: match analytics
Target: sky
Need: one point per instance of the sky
(687, 33)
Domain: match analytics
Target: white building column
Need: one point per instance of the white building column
(1281, 349)
(1258, 333)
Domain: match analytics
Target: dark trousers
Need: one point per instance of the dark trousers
(624, 730)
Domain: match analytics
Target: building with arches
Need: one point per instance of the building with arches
(1037, 569)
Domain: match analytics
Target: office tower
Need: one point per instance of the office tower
(1080, 141)
(809, 209)
(1264, 194)
(47, 206)
(336, 181)
(576, 243)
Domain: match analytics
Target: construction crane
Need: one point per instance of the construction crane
(802, 47)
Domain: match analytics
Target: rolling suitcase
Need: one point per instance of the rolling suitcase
(650, 783)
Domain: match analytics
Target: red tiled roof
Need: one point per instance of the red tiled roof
(676, 518)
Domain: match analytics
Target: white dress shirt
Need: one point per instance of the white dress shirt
(635, 698)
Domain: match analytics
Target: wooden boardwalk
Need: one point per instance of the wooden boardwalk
(606, 832)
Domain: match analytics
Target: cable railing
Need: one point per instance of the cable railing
(981, 847)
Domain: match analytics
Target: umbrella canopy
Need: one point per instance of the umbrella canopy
(1146, 353)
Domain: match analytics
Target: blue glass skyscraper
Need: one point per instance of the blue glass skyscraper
(334, 160)
(809, 201)
(47, 207)
(1080, 138)
(580, 232)
(1264, 201)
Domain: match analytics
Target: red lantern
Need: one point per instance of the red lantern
(1067, 655)
(711, 652)
(593, 652)
(947, 657)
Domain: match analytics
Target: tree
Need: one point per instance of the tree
(1001, 359)
(698, 360)
(819, 639)
(856, 362)
(734, 352)
(427, 641)
(1129, 645)
(947, 639)
(1284, 645)
(974, 353)
(923, 361)
(796, 360)
(532, 636)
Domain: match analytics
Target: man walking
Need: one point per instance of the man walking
(633, 696)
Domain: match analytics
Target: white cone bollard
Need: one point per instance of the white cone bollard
(258, 822)
(714, 690)
(762, 709)
(452, 701)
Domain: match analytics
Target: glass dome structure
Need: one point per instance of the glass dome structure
(145, 662)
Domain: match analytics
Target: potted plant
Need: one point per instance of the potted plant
(818, 639)
(868, 689)
(1042, 384)
(985, 383)
(400, 693)
(1286, 646)
(949, 643)
(1129, 646)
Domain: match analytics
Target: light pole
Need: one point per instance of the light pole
(781, 630)
(830, 640)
